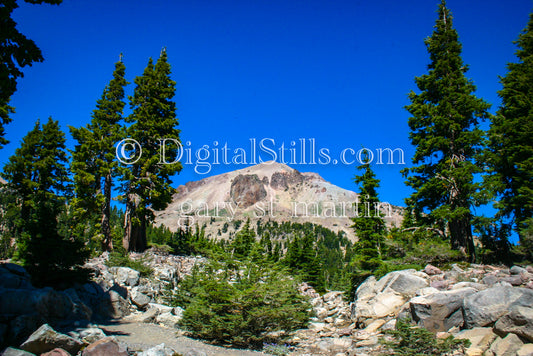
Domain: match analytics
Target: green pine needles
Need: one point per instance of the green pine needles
(445, 131)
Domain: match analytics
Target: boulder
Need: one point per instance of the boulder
(405, 283)
(519, 321)
(159, 350)
(108, 346)
(431, 270)
(56, 352)
(486, 307)
(480, 339)
(125, 276)
(507, 346)
(14, 276)
(525, 350)
(518, 270)
(112, 305)
(440, 311)
(149, 316)
(139, 299)
(168, 319)
(91, 335)
(490, 279)
(10, 351)
(384, 298)
(46, 339)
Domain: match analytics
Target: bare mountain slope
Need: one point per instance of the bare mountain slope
(268, 190)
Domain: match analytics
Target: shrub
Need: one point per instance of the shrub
(121, 259)
(241, 304)
(276, 350)
(416, 341)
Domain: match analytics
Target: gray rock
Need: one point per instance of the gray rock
(112, 305)
(91, 335)
(139, 299)
(490, 279)
(518, 270)
(159, 350)
(10, 351)
(46, 339)
(486, 307)
(440, 311)
(125, 276)
(149, 316)
(515, 280)
(518, 321)
(384, 298)
(402, 282)
(168, 319)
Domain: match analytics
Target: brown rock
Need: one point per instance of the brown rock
(505, 347)
(432, 270)
(480, 338)
(246, 190)
(56, 352)
(105, 347)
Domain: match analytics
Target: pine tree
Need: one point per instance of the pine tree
(244, 240)
(93, 160)
(16, 52)
(146, 183)
(368, 223)
(444, 129)
(510, 155)
(37, 175)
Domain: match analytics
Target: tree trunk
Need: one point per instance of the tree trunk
(134, 231)
(461, 237)
(107, 243)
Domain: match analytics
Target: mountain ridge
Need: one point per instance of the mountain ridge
(268, 190)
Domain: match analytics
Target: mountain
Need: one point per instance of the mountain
(268, 190)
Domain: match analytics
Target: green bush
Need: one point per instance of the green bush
(121, 259)
(416, 341)
(241, 304)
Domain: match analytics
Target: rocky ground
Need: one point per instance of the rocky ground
(120, 312)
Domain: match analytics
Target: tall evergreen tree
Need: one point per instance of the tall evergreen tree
(510, 156)
(93, 160)
(444, 129)
(368, 223)
(244, 240)
(37, 175)
(146, 183)
(16, 52)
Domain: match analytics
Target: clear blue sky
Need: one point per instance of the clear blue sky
(335, 71)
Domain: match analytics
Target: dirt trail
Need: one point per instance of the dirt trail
(140, 335)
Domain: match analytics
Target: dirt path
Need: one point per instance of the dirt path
(140, 335)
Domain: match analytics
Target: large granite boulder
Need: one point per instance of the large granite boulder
(486, 307)
(46, 339)
(385, 298)
(440, 311)
(519, 321)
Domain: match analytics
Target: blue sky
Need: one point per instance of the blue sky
(334, 71)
